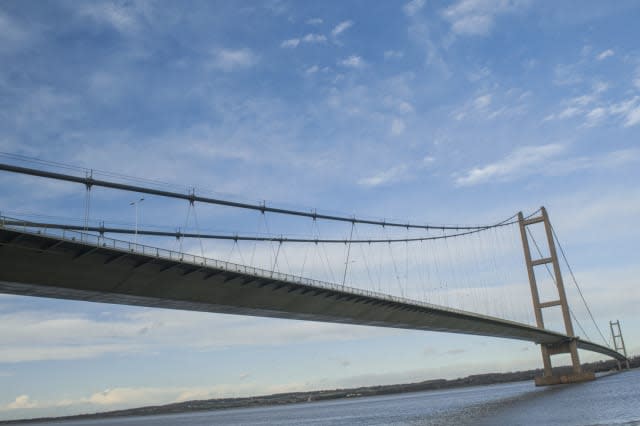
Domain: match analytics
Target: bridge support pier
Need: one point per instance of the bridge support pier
(575, 376)
(570, 346)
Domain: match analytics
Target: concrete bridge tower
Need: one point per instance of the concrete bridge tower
(569, 346)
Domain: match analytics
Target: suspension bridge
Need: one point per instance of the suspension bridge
(466, 279)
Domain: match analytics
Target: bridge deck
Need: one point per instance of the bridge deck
(79, 266)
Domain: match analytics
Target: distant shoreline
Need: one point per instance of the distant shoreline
(322, 395)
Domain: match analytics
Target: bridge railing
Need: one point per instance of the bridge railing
(100, 241)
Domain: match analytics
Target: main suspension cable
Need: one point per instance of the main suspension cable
(575, 282)
(192, 197)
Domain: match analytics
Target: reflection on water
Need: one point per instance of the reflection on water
(610, 400)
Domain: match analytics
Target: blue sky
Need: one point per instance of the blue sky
(433, 112)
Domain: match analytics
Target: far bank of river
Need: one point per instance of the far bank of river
(315, 396)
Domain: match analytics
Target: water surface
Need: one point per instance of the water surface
(610, 400)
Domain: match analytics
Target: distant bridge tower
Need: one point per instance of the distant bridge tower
(618, 340)
(570, 346)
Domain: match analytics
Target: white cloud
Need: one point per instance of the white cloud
(489, 106)
(125, 18)
(393, 54)
(519, 162)
(629, 109)
(600, 87)
(620, 157)
(120, 396)
(21, 402)
(397, 127)
(341, 27)
(312, 69)
(401, 172)
(589, 106)
(605, 54)
(476, 17)
(353, 61)
(479, 74)
(291, 43)
(568, 112)
(482, 101)
(38, 336)
(233, 59)
(314, 21)
(387, 176)
(314, 38)
(567, 74)
(633, 117)
(543, 160)
(405, 107)
(428, 160)
(25, 353)
(473, 25)
(413, 7)
(624, 107)
(309, 38)
(595, 116)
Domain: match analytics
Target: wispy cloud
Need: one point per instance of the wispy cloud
(399, 173)
(491, 105)
(413, 7)
(341, 27)
(393, 54)
(567, 75)
(545, 160)
(583, 106)
(40, 336)
(632, 117)
(519, 162)
(479, 74)
(593, 109)
(397, 127)
(123, 17)
(384, 177)
(12, 35)
(482, 101)
(605, 54)
(314, 21)
(620, 157)
(233, 59)
(476, 17)
(308, 38)
(314, 38)
(595, 116)
(21, 402)
(353, 61)
(291, 43)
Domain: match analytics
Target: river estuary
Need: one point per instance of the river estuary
(610, 400)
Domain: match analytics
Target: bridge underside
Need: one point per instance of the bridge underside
(33, 264)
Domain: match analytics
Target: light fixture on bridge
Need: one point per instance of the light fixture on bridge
(135, 204)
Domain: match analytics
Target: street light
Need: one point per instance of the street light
(135, 204)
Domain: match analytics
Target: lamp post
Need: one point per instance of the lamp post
(135, 204)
